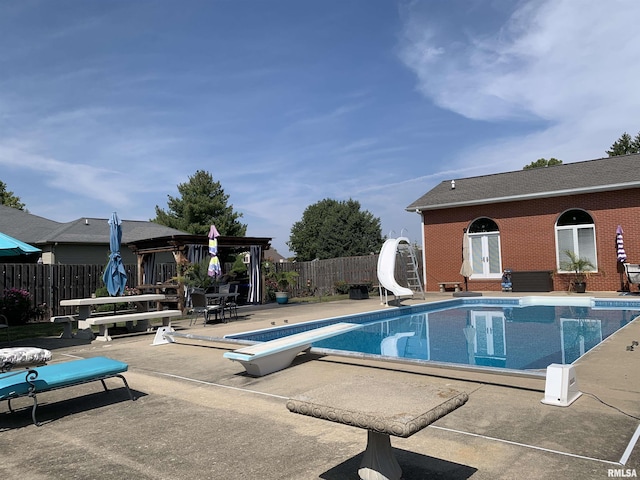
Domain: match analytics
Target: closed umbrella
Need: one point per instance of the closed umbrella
(470, 338)
(214, 269)
(10, 247)
(115, 276)
(255, 285)
(621, 256)
(466, 270)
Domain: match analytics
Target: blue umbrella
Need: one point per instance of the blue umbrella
(115, 277)
(10, 247)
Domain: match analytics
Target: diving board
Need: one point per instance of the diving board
(387, 268)
(268, 357)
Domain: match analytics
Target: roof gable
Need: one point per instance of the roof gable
(610, 173)
(23, 225)
(37, 230)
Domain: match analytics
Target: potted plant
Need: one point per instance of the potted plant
(284, 280)
(581, 267)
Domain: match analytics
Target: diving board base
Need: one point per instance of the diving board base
(268, 357)
(266, 365)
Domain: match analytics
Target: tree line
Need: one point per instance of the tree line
(625, 145)
(328, 228)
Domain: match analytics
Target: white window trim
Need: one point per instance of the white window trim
(490, 276)
(575, 240)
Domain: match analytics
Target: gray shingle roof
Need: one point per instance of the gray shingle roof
(610, 173)
(37, 230)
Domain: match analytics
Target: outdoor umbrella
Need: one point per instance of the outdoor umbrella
(470, 338)
(466, 270)
(115, 276)
(214, 264)
(622, 257)
(255, 286)
(10, 247)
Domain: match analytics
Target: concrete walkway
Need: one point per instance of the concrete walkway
(199, 416)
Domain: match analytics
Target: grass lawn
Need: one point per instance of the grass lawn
(33, 330)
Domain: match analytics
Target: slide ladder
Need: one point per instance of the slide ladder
(413, 272)
(387, 268)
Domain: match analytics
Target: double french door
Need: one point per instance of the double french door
(485, 255)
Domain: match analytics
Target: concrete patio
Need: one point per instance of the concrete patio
(199, 415)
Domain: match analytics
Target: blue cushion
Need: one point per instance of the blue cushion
(59, 375)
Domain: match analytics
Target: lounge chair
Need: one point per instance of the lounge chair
(36, 380)
(633, 273)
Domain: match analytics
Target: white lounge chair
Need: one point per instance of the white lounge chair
(633, 273)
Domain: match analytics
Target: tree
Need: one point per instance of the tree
(543, 162)
(8, 199)
(203, 203)
(331, 229)
(625, 145)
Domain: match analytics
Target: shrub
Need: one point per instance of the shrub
(16, 306)
(341, 287)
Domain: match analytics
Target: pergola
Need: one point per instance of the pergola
(180, 245)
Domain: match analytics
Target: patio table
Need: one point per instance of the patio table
(85, 305)
(382, 407)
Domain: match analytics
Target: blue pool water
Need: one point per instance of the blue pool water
(527, 333)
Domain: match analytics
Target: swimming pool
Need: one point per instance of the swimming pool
(521, 334)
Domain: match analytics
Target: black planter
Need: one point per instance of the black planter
(580, 287)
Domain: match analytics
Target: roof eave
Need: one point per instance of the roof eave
(530, 196)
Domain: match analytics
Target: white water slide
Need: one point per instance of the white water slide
(387, 268)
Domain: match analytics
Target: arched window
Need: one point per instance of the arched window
(484, 248)
(576, 232)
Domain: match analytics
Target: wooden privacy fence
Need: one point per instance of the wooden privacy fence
(48, 284)
(320, 277)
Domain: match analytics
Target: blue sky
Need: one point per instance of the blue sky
(109, 105)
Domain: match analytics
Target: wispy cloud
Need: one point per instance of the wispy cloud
(538, 64)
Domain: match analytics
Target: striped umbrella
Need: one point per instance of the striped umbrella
(622, 256)
(214, 269)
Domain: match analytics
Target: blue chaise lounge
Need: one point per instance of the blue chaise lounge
(31, 382)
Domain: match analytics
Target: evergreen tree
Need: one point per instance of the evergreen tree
(625, 145)
(202, 203)
(8, 199)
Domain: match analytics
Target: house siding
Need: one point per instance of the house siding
(527, 237)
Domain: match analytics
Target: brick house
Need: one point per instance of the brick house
(525, 220)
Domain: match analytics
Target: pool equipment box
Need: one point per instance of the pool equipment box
(561, 385)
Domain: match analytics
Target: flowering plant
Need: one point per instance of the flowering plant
(16, 305)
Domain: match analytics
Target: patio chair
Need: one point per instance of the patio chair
(201, 307)
(633, 273)
(229, 303)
